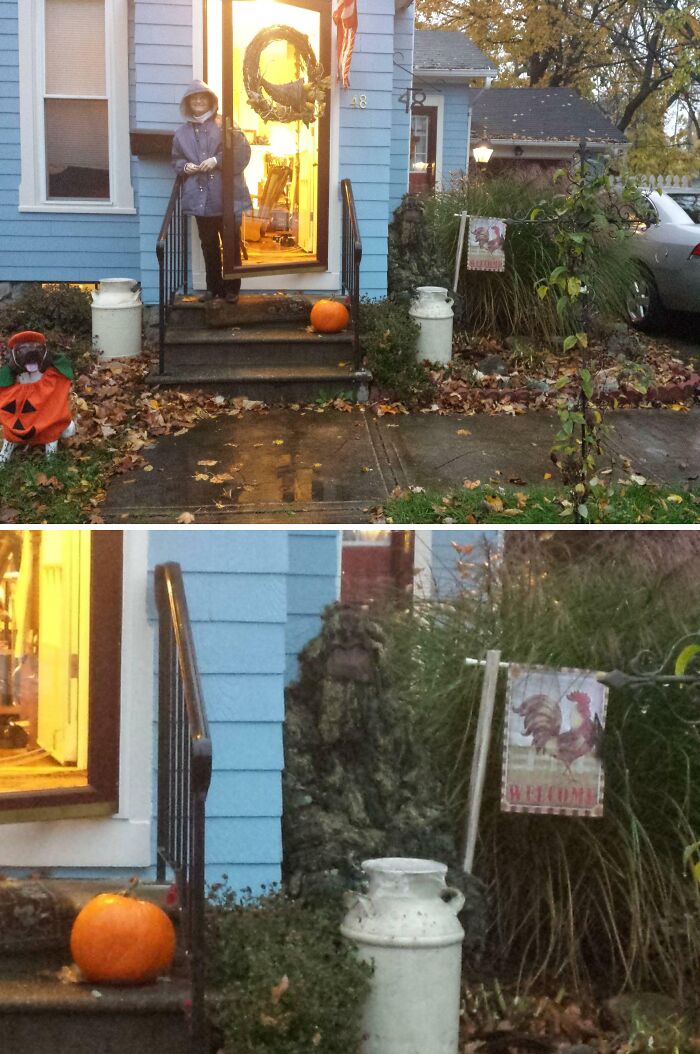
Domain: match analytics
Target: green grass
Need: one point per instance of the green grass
(542, 504)
(37, 489)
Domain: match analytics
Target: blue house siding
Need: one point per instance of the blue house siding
(455, 131)
(404, 25)
(444, 556)
(236, 584)
(313, 583)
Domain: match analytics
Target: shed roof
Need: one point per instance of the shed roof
(541, 114)
(447, 49)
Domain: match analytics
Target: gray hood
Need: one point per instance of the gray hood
(195, 87)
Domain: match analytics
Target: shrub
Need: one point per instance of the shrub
(285, 980)
(506, 303)
(605, 902)
(52, 308)
(389, 338)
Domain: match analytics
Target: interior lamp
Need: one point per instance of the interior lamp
(283, 142)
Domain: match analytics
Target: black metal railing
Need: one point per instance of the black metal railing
(352, 256)
(173, 261)
(184, 774)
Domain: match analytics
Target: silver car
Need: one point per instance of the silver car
(667, 245)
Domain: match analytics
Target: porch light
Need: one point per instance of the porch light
(482, 151)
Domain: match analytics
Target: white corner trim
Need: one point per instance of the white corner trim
(123, 840)
(423, 580)
(32, 191)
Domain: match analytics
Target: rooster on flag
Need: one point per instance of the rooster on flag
(345, 18)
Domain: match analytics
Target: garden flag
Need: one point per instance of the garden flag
(551, 749)
(345, 18)
(485, 247)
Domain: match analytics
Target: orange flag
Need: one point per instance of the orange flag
(345, 18)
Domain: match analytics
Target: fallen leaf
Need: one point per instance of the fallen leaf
(207, 463)
(278, 990)
(675, 498)
(471, 484)
(201, 476)
(547, 475)
(366, 468)
(463, 432)
(148, 468)
(186, 517)
(317, 464)
(639, 480)
(278, 442)
(493, 502)
(222, 477)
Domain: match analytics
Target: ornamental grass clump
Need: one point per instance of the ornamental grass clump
(282, 978)
(607, 903)
(500, 304)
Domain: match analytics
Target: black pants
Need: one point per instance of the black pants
(210, 235)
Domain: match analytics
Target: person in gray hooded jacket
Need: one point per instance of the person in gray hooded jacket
(197, 156)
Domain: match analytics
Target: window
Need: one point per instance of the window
(74, 106)
(376, 566)
(59, 671)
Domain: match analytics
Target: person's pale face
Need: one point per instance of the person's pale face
(200, 102)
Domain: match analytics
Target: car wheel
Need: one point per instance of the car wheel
(644, 308)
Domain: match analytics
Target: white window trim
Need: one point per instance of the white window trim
(125, 839)
(32, 191)
(320, 280)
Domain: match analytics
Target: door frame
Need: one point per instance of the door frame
(433, 114)
(323, 9)
(74, 838)
(323, 280)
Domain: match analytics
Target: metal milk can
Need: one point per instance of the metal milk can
(432, 310)
(407, 926)
(117, 317)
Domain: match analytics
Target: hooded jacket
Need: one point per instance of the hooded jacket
(195, 141)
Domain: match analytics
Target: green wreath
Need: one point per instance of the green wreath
(300, 100)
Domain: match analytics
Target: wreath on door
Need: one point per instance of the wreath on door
(301, 100)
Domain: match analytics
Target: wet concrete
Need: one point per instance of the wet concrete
(322, 467)
(306, 467)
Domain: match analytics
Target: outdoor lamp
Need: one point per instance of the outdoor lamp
(482, 151)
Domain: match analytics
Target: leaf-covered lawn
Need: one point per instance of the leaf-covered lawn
(479, 503)
(118, 416)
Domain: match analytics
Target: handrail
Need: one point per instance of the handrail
(350, 276)
(172, 251)
(184, 775)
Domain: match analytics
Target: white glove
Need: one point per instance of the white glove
(209, 165)
(191, 168)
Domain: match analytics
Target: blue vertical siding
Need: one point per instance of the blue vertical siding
(446, 577)
(365, 136)
(404, 24)
(455, 131)
(50, 246)
(313, 583)
(237, 596)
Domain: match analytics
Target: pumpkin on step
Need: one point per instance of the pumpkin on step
(329, 316)
(119, 939)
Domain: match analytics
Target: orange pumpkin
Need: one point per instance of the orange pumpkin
(329, 316)
(118, 939)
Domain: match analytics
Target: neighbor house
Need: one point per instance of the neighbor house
(540, 129)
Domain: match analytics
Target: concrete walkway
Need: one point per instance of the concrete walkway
(307, 467)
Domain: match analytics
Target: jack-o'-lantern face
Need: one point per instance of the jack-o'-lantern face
(21, 410)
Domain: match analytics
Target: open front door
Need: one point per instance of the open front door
(275, 85)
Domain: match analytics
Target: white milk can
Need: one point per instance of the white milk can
(117, 318)
(407, 927)
(432, 310)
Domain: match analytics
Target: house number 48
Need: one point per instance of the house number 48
(359, 102)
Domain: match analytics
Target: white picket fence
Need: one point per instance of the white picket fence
(661, 182)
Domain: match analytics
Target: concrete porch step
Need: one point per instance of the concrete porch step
(42, 1011)
(269, 383)
(281, 344)
(40, 1015)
